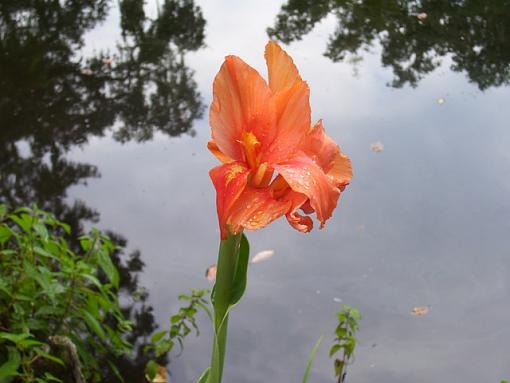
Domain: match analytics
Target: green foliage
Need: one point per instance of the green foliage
(345, 341)
(181, 325)
(59, 308)
(311, 358)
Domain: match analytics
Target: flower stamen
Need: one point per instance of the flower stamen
(250, 144)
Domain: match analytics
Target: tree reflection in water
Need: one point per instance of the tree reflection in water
(414, 35)
(51, 100)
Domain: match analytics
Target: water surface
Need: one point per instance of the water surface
(424, 222)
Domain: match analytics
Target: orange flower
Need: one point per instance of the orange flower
(274, 162)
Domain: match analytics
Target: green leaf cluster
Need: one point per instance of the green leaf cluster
(181, 325)
(59, 307)
(345, 341)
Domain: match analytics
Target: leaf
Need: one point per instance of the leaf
(40, 251)
(28, 343)
(15, 338)
(93, 324)
(94, 280)
(10, 368)
(23, 221)
(41, 230)
(311, 358)
(339, 366)
(205, 375)
(151, 369)
(66, 227)
(158, 336)
(47, 356)
(108, 267)
(115, 370)
(334, 349)
(5, 234)
(50, 378)
(240, 274)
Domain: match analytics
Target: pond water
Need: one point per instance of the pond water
(103, 121)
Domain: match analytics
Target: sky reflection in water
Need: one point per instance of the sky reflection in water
(424, 222)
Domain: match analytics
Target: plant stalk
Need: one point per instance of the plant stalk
(228, 258)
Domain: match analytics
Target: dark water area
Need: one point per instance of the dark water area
(103, 121)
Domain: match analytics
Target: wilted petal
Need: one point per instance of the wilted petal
(305, 176)
(254, 209)
(241, 103)
(229, 181)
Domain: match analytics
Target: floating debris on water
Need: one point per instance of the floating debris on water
(210, 273)
(420, 310)
(87, 72)
(337, 300)
(440, 100)
(160, 377)
(262, 256)
(377, 147)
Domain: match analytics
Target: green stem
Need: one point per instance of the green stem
(227, 262)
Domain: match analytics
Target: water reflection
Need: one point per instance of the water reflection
(414, 36)
(152, 88)
(51, 101)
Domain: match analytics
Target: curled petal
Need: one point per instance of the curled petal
(281, 70)
(299, 222)
(213, 148)
(241, 103)
(326, 153)
(304, 176)
(229, 181)
(255, 208)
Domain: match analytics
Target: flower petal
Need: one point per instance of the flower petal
(213, 148)
(255, 208)
(305, 176)
(299, 222)
(293, 121)
(326, 153)
(229, 181)
(241, 103)
(281, 70)
(341, 171)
